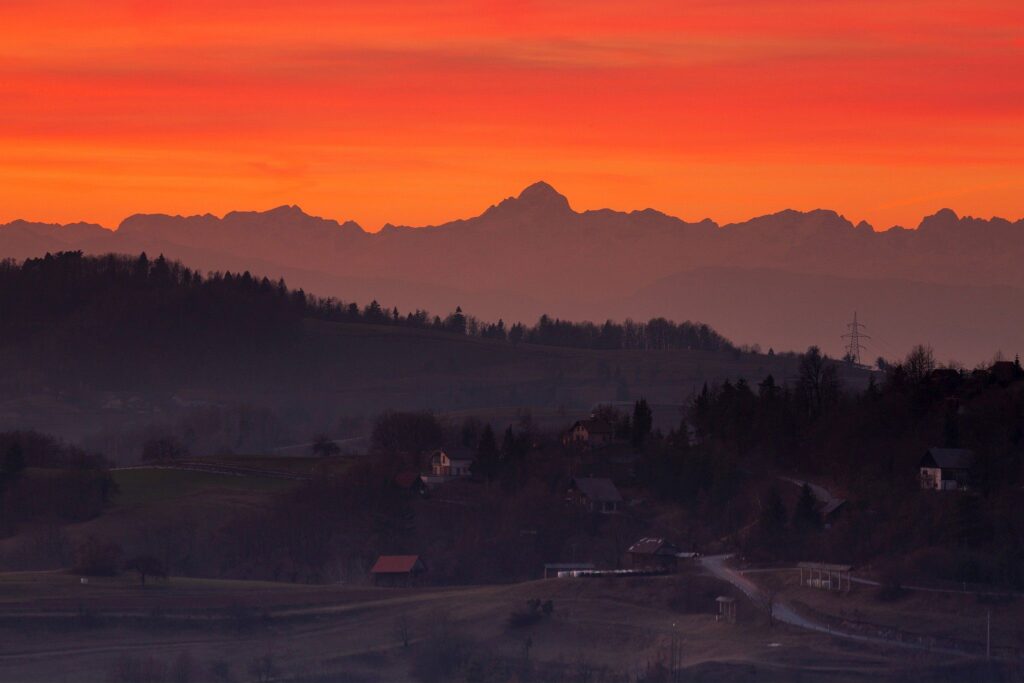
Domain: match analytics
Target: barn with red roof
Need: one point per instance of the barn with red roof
(397, 570)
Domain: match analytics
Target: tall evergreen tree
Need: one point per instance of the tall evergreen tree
(642, 423)
(488, 461)
(772, 521)
(805, 515)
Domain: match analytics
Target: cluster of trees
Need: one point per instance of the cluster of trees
(42, 479)
(657, 334)
(867, 445)
(635, 428)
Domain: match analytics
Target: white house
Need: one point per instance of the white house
(450, 464)
(946, 469)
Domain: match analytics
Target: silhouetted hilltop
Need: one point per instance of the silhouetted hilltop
(539, 201)
(533, 253)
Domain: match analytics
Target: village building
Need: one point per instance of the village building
(656, 554)
(451, 463)
(397, 570)
(594, 432)
(1006, 371)
(558, 569)
(946, 469)
(596, 494)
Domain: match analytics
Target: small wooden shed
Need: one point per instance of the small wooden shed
(397, 570)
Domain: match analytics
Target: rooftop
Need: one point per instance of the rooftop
(824, 566)
(396, 564)
(653, 546)
(948, 458)
(598, 489)
(596, 425)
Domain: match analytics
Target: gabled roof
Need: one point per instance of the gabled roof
(397, 564)
(595, 425)
(1005, 370)
(653, 546)
(825, 566)
(948, 458)
(597, 489)
(567, 566)
(456, 454)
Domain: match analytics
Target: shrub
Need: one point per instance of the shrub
(146, 565)
(534, 612)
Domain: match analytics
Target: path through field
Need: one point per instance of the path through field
(781, 611)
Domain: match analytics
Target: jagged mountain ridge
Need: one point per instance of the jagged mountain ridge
(534, 253)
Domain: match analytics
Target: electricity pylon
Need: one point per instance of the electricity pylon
(854, 344)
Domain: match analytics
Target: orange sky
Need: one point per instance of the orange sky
(419, 112)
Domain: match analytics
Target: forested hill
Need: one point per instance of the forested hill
(141, 338)
(167, 305)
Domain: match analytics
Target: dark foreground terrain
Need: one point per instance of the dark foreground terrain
(651, 629)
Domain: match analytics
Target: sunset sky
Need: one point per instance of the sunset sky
(420, 112)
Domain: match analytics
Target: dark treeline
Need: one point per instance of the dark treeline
(158, 302)
(866, 447)
(67, 484)
(655, 334)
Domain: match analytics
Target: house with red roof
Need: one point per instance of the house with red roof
(397, 570)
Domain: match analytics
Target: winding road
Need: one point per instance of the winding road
(784, 613)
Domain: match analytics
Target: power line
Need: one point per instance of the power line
(854, 346)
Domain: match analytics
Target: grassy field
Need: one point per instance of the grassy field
(303, 465)
(56, 629)
(142, 486)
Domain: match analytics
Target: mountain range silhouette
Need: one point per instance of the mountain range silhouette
(786, 280)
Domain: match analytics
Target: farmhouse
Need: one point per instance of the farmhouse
(946, 469)
(450, 463)
(397, 570)
(595, 494)
(656, 554)
(594, 432)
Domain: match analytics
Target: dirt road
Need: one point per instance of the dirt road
(784, 613)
